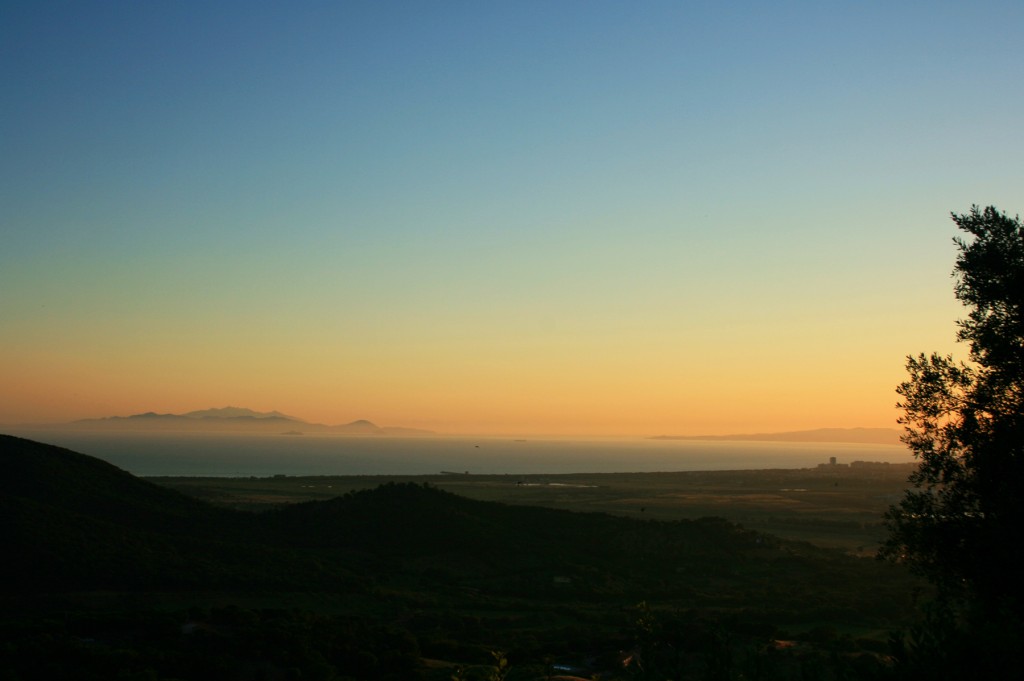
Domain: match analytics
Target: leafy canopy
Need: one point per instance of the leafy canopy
(960, 524)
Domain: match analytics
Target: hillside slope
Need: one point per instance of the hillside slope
(76, 522)
(397, 582)
(70, 521)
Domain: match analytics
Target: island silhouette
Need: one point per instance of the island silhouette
(235, 419)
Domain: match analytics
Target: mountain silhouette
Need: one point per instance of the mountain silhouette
(236, 412)
(234, 419)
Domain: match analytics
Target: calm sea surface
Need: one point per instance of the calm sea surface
(227, 455)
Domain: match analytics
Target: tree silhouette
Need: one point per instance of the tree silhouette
(960, 525)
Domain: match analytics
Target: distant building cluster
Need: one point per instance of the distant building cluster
(858, 465)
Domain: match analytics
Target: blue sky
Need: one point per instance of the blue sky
(556, 190)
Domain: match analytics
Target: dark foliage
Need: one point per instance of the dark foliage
(960, 524)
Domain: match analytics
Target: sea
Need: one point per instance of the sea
(158, 454)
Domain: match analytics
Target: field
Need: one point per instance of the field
(830, 506)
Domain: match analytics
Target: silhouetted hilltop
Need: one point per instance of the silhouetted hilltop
(407, 562)
(76, 483)
(360, 426)
(883, 436)
(72, 522)
(228, 418)
(237, 412)
(418, 525)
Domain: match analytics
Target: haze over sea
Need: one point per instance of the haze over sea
(232, 454)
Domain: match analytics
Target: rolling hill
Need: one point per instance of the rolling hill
(77, 516)
(383, 583)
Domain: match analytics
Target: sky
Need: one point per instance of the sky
(576, 218)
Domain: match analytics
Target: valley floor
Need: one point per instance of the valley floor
(830, 506)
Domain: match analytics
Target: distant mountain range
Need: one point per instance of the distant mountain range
(882, 436)
(240, 419)
(236, 419)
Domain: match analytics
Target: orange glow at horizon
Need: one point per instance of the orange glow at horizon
(560, 394)
(346, 217)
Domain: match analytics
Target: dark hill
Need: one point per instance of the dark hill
(358, 583)
(444, 540)
(75, 483)
(71, 521)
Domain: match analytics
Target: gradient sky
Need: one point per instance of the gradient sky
(522, 217)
